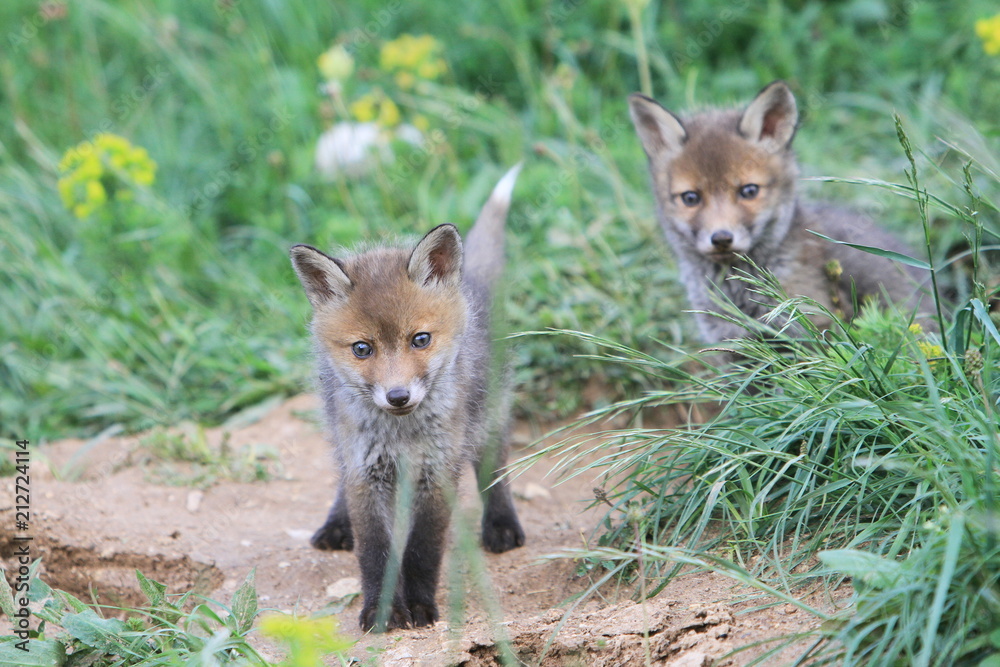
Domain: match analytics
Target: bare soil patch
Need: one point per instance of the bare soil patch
(95, 527)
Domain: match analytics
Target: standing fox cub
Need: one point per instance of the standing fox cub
(402, 343)
(724, 182)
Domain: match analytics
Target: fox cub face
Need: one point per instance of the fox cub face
(388, 320)
(723, 178)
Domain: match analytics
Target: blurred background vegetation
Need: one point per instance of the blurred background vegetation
(157, 159)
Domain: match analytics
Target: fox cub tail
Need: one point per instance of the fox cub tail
(484, 244)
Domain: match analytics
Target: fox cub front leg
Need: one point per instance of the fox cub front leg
(424, 551)
(336, 533)
(414, 591)
(373, 540)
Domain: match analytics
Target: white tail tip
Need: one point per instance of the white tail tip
(505, 188)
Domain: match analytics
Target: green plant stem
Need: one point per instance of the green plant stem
(641, 55)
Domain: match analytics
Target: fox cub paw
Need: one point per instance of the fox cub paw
(399, 617)
(423, 614)
(502, 534)
(333, 536)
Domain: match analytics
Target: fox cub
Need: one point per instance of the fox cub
(724, 182)
(402, 345)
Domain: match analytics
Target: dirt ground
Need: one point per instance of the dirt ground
(96, 517)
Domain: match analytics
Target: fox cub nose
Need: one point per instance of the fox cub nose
(397, 397)
(722, 239)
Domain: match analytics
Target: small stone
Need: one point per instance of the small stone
(400, 657)
(691, 659)
(194, 501)
(343, 587)
(719, 631)
(533, 491)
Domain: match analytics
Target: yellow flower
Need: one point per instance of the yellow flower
(308, 639)
(336, 64)
(916, 329)
(376, 107)
(364, 108)
(82, 211)
(930, 350)
(432, 69)
(405, 80)
(388, 115)
(424, 46)
(105, 168)
(390, 55)
(989, 31)
(421, 123)
(419, 55)
(96, 194)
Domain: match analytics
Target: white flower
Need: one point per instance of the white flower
(353, 149)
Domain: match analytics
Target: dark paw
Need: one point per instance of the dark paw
(399, 617)
(333, 537)
(502, 534)
(423, 614)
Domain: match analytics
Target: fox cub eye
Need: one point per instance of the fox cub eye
(362, 350)
(420, 340)
(690, 198)
(749, 191)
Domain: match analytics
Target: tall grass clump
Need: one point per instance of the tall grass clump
(868, 451)
(158, 160)
(157, 295)
(56, 628)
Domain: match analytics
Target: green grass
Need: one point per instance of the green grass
(183, 306)
(873, 446)
(186, 458)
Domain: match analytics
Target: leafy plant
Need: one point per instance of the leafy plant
(169, 630)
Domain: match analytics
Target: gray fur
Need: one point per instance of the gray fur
(714, 144)
(379, 453)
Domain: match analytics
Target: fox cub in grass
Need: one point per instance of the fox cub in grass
(724, 182)
(402, 344)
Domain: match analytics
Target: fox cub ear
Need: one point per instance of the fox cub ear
(660, 132)
(437, 258)
(321, 275)
(771, 117)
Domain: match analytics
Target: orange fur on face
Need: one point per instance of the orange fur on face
(724, 181)
(716, 163)
(386, 309)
